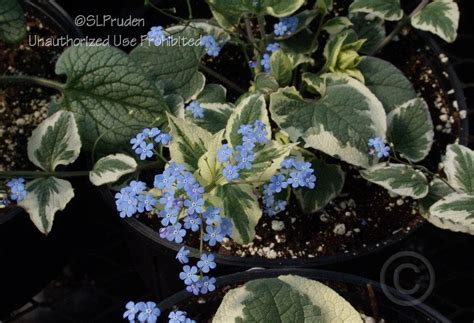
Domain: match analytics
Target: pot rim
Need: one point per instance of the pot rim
(256, 273)
(155, 241)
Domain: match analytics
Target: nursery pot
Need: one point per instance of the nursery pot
(353, 288)
(29, 258)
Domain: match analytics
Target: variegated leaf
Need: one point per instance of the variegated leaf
(455, 212)
(386, 9)
(459, 167)
(441, 17)
(216, 116)
(109, 169)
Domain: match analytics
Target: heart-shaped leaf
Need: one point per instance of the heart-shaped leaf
(282, 67)
(386, 9)
(12, 21)
(459, 167)
(109, 169)
(454, 212)
(441, 17)
(372, 30)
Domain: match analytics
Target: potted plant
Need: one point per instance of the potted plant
(286, 295)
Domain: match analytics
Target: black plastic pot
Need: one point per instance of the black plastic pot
(29, 259)
(348, 286)
(151, 253)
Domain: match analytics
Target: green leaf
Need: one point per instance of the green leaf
(440, 17)
(109, 169)
(109, 95)
(173, 66)
(213, 93)
(337, 25)
(189, 142)
(282, 67)
(455, 212)
(386, 9)
(299, 47)
(45, 197)
(285, 299)
(305, 18)
(438, 190)
(216, 116)
(329, 184)
(372, 30)
(249, 110)
(229, 12)
(176, 104)
(208, 166)
(339, 124)
(241, 206)
(55, 142)
(387, 82)
(459, 167)
(12, 21)
(400, 179)
(324, 6)
(410, 129)
(315, 83)
(266, 83)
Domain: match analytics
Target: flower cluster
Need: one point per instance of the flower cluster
(143, 312)
(377, 146)
(134, 198)
(157, 35)
(196, 109)
(286, 26)
(213, 48)
(243, 155)
(143, 143)
(293, 173)
(179, 317)
(17, 189)
(265, 62)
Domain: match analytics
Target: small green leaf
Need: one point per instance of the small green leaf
(55, 142)
(315, 83)
(249, 110)
(330, 181)
(189, 142)
(455, 212)
(109, 169)
(216, 116)
(459, 167)
(324, 6)
(109, 95)
(45, 197)
(410, 129)
(387, 82)
(339, 124)
(241, 206)
(12, 21)
(337, 25)
(213, 93)
(386, 9)
(441, 17)
(266, 83)
(372, 30)
(208, 166)
(437, 191)
(282, 68)
(400, 179)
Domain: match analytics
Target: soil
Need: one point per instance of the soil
(24, 106)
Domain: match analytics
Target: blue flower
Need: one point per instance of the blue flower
(273, 47)
(212, 215)
(286, 26)
(126, 203)
(175, 233)
(196, 109)
(177, 317)
(163, 181)
(182, 255)
(280, 29)
(206, 263)
(225, 227)
(231, 172)
(185, 179)
(132, 310)
(277, 183)
(136, 187)
(296, 179)
(252, 64)
(309, 181)
(288, 163)
(245, 159)
(137, 141)
(145, 150)
(189, 275)
(163, 138)
(211, 45)
(146, 202)
(170, 216)
(378, 147)
(194, 288)
(265, 62)
(149, 313)
(194, 190)
(17, 189)
(194, 205)
(224, 153)
(156, 35)
(208, 285)
(213, 235)
(192, 222)
(167, 199)
(151, 133)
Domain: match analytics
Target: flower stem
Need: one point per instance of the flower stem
(32, 79)
(190, 9)
(37, 174)
(401, 24)
(261, 27)
(223, 79)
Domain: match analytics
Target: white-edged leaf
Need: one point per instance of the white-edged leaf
(45, 197)
(438, 190)
(242, 207)
(12, 21)
(336, 25)
(315, 83)
(372, 30)
(189, 142)
(440, 17)
(455, 212)
(410, 129)
(339, 124)
(282, 67)
(209, 169)
(459, 167)
(213, 93)
(329, 183)
(216, 116)
(386, 9)
(400, 179)
(387, 82)
(176, 104)
(266, 83)
(55, 141)
(285, 299)
(248, 110)
(110, 168)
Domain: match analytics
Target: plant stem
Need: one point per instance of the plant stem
(223, 79)
(36, 174)
(261, 27)
(402, 24)
(246, 182)
(32, 79)
(190, 9)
